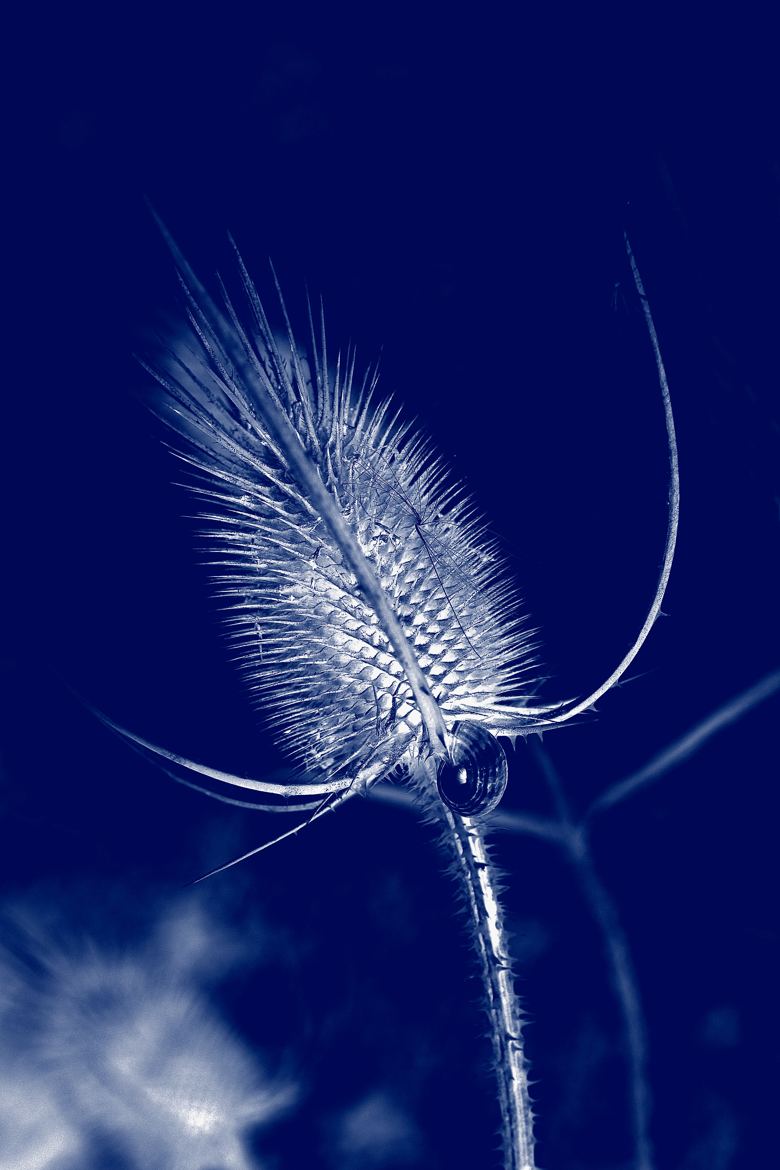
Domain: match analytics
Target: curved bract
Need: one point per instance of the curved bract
(512, 720)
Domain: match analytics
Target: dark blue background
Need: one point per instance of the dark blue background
(456, 188)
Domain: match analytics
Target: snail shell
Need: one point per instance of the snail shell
(472, 780)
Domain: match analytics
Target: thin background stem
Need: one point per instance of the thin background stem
(571, 836)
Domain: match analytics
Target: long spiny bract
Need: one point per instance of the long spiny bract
(311, 641)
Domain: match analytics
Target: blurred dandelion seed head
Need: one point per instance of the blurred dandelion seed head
(128, 1046)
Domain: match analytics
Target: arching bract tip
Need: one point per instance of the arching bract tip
(555, 715)
(328, 787)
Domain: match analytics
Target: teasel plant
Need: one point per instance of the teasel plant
(373, 617)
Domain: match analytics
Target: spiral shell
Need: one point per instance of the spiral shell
(473, 779)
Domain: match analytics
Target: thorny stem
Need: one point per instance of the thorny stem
(463, 838)
(572, 838)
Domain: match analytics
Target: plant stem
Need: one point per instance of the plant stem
(575, 844)
(463, 838)
(625, 986)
